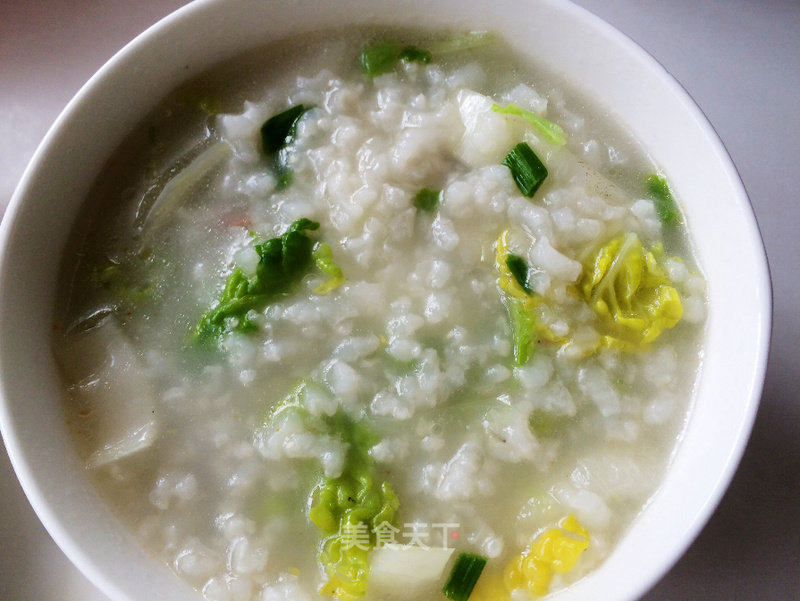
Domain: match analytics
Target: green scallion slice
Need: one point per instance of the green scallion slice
(526, 168)
(427, 199)
(471, 40)
(415, 54)
(519, 269)
(665, 204)
(464, 576)
(381, 57)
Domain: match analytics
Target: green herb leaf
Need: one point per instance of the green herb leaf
(527, 170)
(427, 199)
(464, 576)
(551, 131)
(665, 204)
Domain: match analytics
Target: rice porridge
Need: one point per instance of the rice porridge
(365, 318)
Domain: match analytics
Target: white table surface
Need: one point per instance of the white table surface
(739, 59)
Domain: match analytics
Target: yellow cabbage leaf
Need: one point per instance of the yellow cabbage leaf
(630, 292)
(555, 551)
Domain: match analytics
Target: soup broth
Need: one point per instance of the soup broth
(319, 342)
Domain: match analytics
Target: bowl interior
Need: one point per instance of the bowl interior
(586, 52)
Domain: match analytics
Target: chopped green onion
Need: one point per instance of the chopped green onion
(278, 131)
(464, 576)
(415, 54)
(551, 131)
(468, 41)
(381, 57)
(427, 199)
(519, 269)
(526, 169)
(665, 204)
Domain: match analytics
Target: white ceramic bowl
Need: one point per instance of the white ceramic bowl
(584, 50)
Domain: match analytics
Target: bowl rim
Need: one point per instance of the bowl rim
(639, 583)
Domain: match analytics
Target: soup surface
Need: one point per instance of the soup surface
(346, 309)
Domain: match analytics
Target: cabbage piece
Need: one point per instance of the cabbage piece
(179, 188)
(470, 40)
(551, 131)
(520, 302)
(323, 257)
(282, 261)
(350, 510)
(406, 567)
(630, 292)
(487, 135)
(113, 390)
(555, 551)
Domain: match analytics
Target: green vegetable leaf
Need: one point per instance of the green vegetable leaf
(125, 283)
(277, 133)
(282, 261)
(323, 257)
(381, 57)
(427, 199)
(518, 299)
(520, 308)
(551, 131)
(527, 170)
(546, 424)
(665, 204)
(279, 130)
(522, 321)
(464, 576)
(349, 510)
